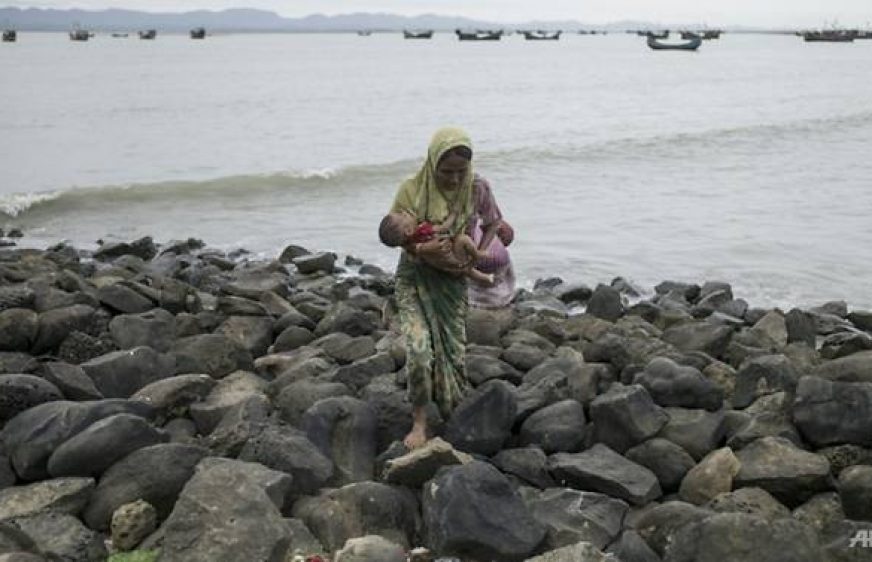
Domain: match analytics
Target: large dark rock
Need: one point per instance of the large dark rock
(239, 424)
(853, 368)
(779, 467)
(230, 391)
(12, 362)
(699, 336)
(225, 513)
(343, 428)
(71, 380)
(392, 409)
(18, 329)
(289, 450)
(696, 431)
(600, 469)
(155, 474)
(344, 348)
(830, 413)
(20, 392)
(605, 303)
(362, 508)
(559, 427)
(658, 523)
(359, 374)
(625, 416)
(60, 495)
(754, 501)
(122, 299)
(142, 248)
(763, 375)
(155, 329)
(297, 397)
(171, 397)
(33, 435)
(472, 511)
(482, 422)
(671, 384)
(482, 368)
(346, 319)
(800, 327)
(631, 547)
(55, 325)
(213, 354)
(844, 344)
(570, 516)
(121, 373)
(101, 444)
(253, 333)
(61, 536)
(737, 536)
(239, 306)
(855, 490)
(668, 461)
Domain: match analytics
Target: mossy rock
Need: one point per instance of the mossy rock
(135, 556)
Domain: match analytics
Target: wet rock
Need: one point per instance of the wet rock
(240, 423)
(603, 470)
(711, 477)
(56, 325)
(605, 302)
(171, 396)
(313, 263)
(855, 491)
(753, 501)
(699, 336)
(346, 319)
(482, 368)
(844, 344)
(360, 509)
(472, 511)
(123, 299)
(659, 524)
(800, 327)
(853, 368)
(344, 348)
(764, 375)
(239, 306)
(155, 474)
(142, 248)
(121, 373)
(290, 451)
(697, 431)
(253, 333)
(230, 391)
(297, 397)
(18, 329)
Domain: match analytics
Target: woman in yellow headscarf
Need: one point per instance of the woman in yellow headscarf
(432, 303)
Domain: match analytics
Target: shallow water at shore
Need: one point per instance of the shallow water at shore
(745, 162)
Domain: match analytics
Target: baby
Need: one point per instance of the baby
(402, 229)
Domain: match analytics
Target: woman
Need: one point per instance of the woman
(492, 234)
(432, 304)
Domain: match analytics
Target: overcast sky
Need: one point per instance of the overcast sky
(814, 13)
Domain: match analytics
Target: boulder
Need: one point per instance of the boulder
(668, 461)
(370, 548)
(829, 413)
(658, 524)
(711, 477)
(697, 431)
(60, 495)
(699, 336)
(601, 469)
(122, 299)
(21, 392)
(472, 511)
(61, 536)
(570, 516)
(481, 368)
(171, 397)
(853, 368)
(420, 465)
(71, 380)
(131, 523)
(482, 422)
(605, 303)
(670, 384)
(253, 333)
(223, 513)
(753, 501)
(121, 373)
(559, 427)
(313, 263)
(18, 329)
(578, 552)
(213, 354)
(855, 491)
(360, 509)
(625, 416)
(290, 451)
(343, 428)
(297, 397)
(763, 375)
(155, 329)
(231, 390)
(155, 474)
(94, 449)
(55, 325)
(347, 319)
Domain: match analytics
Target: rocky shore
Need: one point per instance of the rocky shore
(177, 403)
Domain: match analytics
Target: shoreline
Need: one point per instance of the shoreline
(143, 380)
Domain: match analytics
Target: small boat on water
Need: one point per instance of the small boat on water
(655, 34)
(541, 35)
(79, 35)
(479, 35)
(690, 45)
(198, 33)
(830, 36)
(689, 35)
(417, 34)
(10, 36)
(119, 35)
(148, 34)
(711, 34)
(364, 33)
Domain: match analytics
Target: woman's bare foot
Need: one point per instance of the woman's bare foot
(416, 438)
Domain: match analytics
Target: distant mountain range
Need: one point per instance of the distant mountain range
(243, 19)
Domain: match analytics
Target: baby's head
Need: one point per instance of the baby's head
(396, 228)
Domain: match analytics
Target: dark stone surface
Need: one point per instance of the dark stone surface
(482, 422)
(603, 470)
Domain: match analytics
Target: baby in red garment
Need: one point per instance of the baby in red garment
(401, 229)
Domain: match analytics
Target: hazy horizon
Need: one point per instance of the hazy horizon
(776, 13)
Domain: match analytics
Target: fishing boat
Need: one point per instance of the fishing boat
(364, 33)
(79, 35)
(690, 45)
(418, 34)
(711, 34)
(541, 35)
(119, 35)
(10, 35)
(148, 34)
(479, 35)
(829, 36)
(689, 35)
(198, 33)
(655, 34)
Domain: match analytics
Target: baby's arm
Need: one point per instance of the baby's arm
(465, 249)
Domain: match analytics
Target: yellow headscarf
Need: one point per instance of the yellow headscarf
(420, 196)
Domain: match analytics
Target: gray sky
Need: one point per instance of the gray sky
(811, 13)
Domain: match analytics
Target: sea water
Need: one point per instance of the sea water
(745, 162)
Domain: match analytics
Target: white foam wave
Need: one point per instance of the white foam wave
(16, 203)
